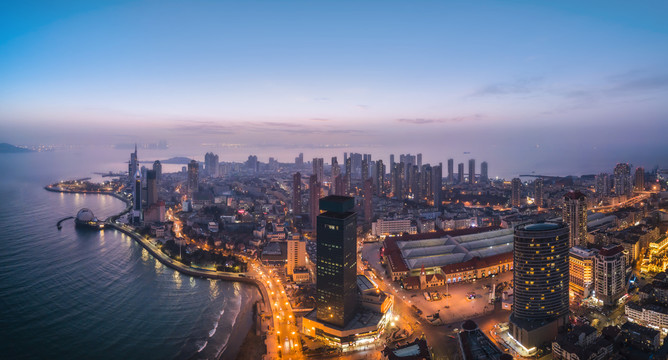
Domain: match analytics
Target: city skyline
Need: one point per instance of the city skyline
(326, 76)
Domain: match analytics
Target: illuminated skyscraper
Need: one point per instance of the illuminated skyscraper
(602, 185)
(193, 176)
(314, 192)
(451, 176)
(336, 287)
(610, 274)
(575, 215)
(622, 179)
(515, 192)
(296, 254)
(380, 178)
(640, 179)
(472, 171)
(297, 193)
(538, 192)
(581, 268)
(483, 172)
(541, 278)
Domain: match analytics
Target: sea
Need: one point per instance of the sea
(89, 294)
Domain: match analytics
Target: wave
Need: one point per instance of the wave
(215, 326)
(201, 347)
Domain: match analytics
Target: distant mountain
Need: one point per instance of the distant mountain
(174, 160)
(9, 148)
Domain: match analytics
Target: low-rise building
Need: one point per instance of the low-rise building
(581, 343)
(653, 315)
(639, 336)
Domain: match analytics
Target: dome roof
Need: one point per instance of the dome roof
(85, 215)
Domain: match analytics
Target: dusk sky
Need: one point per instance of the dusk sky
(499, 79)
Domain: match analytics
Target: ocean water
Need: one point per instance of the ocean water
(75, 294)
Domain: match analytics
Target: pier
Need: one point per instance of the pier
(61, 221)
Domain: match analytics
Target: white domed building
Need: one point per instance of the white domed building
(86, 218)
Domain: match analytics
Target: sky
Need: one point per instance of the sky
(511, 82)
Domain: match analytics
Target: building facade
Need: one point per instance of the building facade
(610, 281)
(541, 276)
(574, 213)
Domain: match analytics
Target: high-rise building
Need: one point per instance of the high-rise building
(471, 171)
(157, 167)
(314, 197)
(574, 213)
(391, 162)
(484, 178)
(339, 184)
(365, 170)
(136, 213)
(397, 180)
(132, 166)
(296, 254)
(336, 287)
(581, 269)
(319, 169)
(380, 178)
(368, 200)
(515, 192)
(460, 173)
(356, 163)
(610, 281)
(538, 192)
(451, 174)
(413, 182)
(348, 178)
(297, 193)
(151, 188)
(299, 161)
(437, 184)
(193, 177)
(602, 185)
(640, 179)
(252, 163)
(419, 161)
(622, 179)
(211, 164)
(336, 169)
(541, 278)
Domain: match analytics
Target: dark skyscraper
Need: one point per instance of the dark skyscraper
(339, 184)
(541, 278)
(319, 169)
(484, 178)
(639, 184)
(368, 200)
(151, 187)
(437, 184)
(451, 171)
(538, 192)
(460, 173)
(336, 253)
(136, 214)
(391, 162)
(297, 193)
(336, 169)
(314, 196)
(132, 166)
(622, 179)
(193, 176)
(211, 164)
(157, 167)
(365, 170)
(472, 171)
(349, 169)
(515, 192)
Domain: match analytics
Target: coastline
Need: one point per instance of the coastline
(177, 266)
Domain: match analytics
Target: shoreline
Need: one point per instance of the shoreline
(171, 263)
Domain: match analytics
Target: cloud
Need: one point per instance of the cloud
(517, 87)
(457, 119)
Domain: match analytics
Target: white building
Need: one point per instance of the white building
(392, 227)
